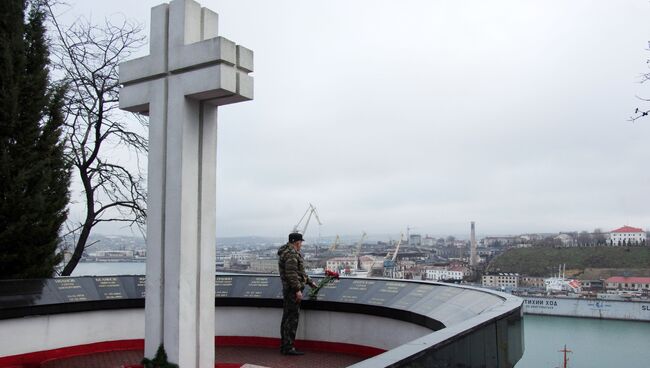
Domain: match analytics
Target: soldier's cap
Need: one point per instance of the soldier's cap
(294, 237)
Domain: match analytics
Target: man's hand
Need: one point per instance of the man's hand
(298, 296)
(313, 285)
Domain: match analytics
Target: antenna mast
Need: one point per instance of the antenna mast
(566, 360)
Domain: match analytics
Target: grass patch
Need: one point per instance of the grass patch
(544, 262)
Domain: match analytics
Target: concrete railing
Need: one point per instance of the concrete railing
(415, 323)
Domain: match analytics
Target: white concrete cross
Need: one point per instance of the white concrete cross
(188, 73)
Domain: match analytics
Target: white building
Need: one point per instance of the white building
(498, 240)
(443, 274)
(628, 283)
(113, 254)
(429, 241)
(566, 239)
(627, 235)
(342, 263)
(240, 258)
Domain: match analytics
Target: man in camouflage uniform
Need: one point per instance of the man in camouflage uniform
(294, 278)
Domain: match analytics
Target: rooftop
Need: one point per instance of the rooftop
(632, 280)
(628, 229)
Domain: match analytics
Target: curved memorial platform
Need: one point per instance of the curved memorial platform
(396, 323)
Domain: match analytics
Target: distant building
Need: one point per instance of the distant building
(342, 263)
(484, 252)
(530, 281)
(448, 252)
(460, 267)
(567, 239)
(628, 283)
(627, 235)
(239, 259)
(266, 265)
(415, 239)
(112, 254)
(438, 274)
(593, 285)
(366, 262)
(526, 238)
(222, 259)
(510, 280)
(498, 241)
(460, 244)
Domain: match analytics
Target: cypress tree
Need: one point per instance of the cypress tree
(34, 176)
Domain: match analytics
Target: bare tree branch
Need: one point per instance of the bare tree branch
(642, 113)
(88, 56)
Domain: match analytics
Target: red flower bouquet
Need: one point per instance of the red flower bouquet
(329, 277)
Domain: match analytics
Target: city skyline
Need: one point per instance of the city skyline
(351, 238)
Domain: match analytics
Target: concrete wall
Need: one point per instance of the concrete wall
(39, 333)
(351, 328)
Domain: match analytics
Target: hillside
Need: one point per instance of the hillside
(544, 261)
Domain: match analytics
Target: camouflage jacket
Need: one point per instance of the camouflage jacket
(292, 269)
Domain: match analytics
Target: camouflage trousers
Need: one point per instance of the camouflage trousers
(289, 324)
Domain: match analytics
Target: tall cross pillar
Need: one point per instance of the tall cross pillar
(188, 73)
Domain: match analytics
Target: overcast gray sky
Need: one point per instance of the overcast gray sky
(432, 114)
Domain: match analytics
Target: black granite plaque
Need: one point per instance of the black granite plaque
(140, 286)
(274, 288)
(22, 293)
(71, 289)
(130, 285)
(355, 290)
(255, 287)
(434, 299)
(223, 286)
(109, 287)
(406, 301)
(385, 292)
(414, 297)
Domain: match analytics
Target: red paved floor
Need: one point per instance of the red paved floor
(266, 357)
(113, 359)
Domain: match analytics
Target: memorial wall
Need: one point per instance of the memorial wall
(485, 325)
(392, 298)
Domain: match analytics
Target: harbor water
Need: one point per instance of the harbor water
(109, 268)
(595, 343)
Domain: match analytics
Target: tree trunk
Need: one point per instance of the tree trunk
(78, 249)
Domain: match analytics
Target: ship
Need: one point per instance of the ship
(561, 284)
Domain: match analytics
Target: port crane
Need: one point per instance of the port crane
(360, 244)
(336, 243)
(408, 234)
(358, 251)
(311, 211)
(389, 262)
